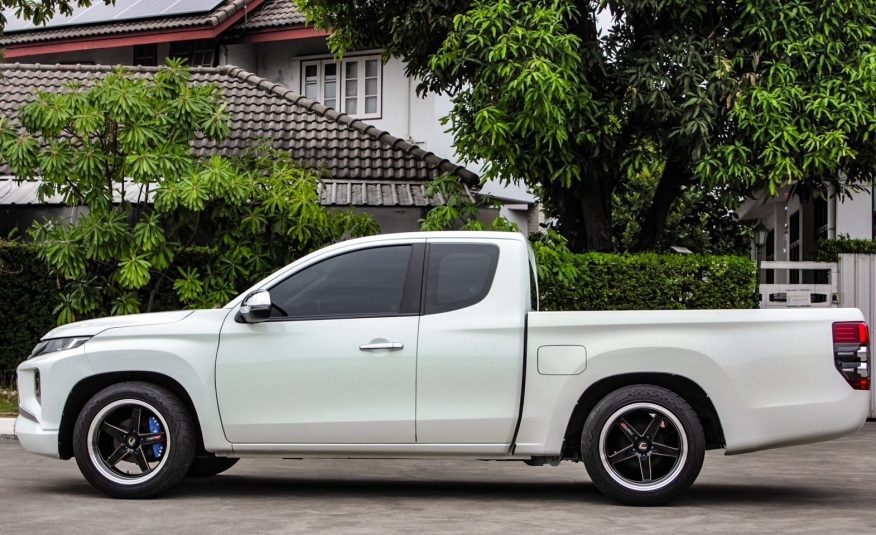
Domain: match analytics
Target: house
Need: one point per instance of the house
(366, 167)
(271, 42)
(794, 228)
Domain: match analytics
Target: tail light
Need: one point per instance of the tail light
(851, 341)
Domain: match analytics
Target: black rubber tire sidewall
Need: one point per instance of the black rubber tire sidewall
(666, 399)
(210, 466)
(182, 436)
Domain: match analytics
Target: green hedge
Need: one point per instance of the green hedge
(654, 282)
(28, 297)
(829, 250)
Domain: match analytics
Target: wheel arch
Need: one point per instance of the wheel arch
(687, 389)
(89, 386)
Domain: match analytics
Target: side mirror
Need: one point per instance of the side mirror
(256, 307)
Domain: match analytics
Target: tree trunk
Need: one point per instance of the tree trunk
(153, 293)
(596, 223)
(584, 215)
(675, 176)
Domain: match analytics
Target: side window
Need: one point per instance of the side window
(368, 282)
(459, 275)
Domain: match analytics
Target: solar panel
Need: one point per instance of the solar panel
(122, 10)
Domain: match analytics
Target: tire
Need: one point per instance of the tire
(210, 466)
(127, 459)
(643, 445)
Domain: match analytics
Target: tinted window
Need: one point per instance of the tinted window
(459, 275)
(369, 282)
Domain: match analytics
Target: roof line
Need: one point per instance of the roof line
(92, 67)
(220, 15)
(289, 33)
(384, 137)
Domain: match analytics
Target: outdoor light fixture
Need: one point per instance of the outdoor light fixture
(760, 235)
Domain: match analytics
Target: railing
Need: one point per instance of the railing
(787, 295)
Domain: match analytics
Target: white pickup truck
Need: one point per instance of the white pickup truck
(431, 345)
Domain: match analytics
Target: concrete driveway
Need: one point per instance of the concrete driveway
(820, 488)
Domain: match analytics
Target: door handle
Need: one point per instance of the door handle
(382, 346)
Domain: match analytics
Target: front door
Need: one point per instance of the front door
(336, 363)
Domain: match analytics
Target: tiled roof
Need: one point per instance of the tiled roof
(349, 150)
(364, 193)
(206, 20)
(274, 14)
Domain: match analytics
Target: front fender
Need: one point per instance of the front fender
(184, 351)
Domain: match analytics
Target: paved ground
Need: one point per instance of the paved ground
(820, 488)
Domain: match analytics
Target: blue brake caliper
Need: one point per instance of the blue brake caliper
(155, 427)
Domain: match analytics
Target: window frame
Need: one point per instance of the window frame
(340, 83)
(187, 50)
(412, 292)
(145, 55)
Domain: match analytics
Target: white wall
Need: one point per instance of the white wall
(855, 216)
(243, 56)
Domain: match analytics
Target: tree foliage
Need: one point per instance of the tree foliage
(728, 95)
(458, 211)
(123, 147)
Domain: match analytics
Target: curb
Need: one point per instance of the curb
(7, 427)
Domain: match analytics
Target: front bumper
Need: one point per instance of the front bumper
(35, 439)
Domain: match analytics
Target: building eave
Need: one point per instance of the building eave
(283, 34)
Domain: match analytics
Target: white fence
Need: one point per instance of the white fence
(800, 295)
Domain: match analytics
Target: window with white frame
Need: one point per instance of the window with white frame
(351, 86)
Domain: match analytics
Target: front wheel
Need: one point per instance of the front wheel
(134, 440)
(643, 445)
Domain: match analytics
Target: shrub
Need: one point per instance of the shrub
(829, 250)
(28, 297)
(601, 281)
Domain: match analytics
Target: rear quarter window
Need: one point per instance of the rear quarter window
(458, 275)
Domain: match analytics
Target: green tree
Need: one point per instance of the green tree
(740, 94)
(123, 147)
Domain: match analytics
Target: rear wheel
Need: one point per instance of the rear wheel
(134, 440)
(643, 445)
(210, 466)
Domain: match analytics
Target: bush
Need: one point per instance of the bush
(829, 250)
(601, 281)
(28, 297)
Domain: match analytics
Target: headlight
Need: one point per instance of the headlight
(57, 344)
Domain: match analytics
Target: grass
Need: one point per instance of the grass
(8, 402)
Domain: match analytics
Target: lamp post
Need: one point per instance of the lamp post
(760, 233)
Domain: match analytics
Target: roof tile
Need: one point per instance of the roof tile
(274, 14)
